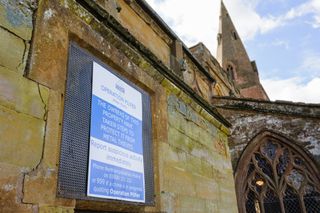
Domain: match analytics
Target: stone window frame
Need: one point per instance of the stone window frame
(231, 70)
(243, 169)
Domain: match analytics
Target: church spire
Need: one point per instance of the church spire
(233, 57)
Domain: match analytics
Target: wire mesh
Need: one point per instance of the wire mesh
(72, 182)
(312, 201)
(279, 181)
(291, 201)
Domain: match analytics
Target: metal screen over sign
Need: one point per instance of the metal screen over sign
(106, 144)
(116, 169)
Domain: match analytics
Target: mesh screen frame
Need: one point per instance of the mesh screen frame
(74, 150)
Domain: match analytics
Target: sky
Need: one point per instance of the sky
(282, 36)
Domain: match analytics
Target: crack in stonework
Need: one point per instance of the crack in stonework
(33, 172)
(20, 190)
(29, 56)
(9, 31)
(45, 115)
(24, 55)
(26, 58)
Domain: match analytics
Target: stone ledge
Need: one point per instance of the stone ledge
(55, 209)
(277, 107)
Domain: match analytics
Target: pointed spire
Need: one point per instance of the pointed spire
(233, 57)
(223, 9)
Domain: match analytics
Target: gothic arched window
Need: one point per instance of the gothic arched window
(274, 176)
(230, 71)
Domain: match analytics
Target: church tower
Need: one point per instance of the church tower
(233, 57)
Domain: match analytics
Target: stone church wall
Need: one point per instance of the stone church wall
(298, 122)
(192, 165)
(196, 154)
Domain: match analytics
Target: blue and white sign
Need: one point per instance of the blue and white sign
(116, 169)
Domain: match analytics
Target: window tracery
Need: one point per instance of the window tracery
(277, 178)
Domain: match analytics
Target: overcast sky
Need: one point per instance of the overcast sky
(283, 36)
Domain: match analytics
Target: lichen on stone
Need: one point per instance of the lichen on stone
(19, 12)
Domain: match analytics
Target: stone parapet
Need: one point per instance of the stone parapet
(275, 107)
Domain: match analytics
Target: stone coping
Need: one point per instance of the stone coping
(277, 107)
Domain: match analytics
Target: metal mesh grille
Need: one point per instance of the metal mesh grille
(312, 201)
(250, 204)
(72, 182)
(271, 203)
(147, 149)
(278, 179)
(291, 201)
(76, 126)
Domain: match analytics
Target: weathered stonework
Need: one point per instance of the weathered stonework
(125, 36)
(55, 209)
(12, 58)
(20, 132)
(22, 95)
(11, 190)
(16, 17)
(223, 86)
(191, 139)
(195, 163)
(297, 122)
(294, 126)
(150, 38)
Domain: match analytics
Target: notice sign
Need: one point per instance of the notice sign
(116, 169)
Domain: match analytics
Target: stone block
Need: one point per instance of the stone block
(8, 185)
(16, 16)
(178, 181)
(174, 157)
(228, 199)
(49, 61)
(55, 209)
(228, 206)
(10, 190)
(179, 140)
(184, 125)
(160, 117)
(196, 148)
(144, 32)
(21, 138)
(212, 206)
(194, 165)
(169, 202)
(41, 186)
(53, 130)
(22, 95)
(12, 51)
(206, 168)
(219, 162)
(17, 208)
(190, 204)
(207, 188)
